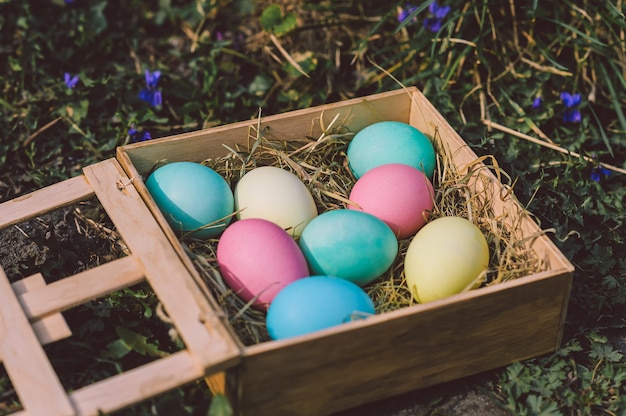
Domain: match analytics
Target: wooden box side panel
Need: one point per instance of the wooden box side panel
(404, 350)
(425, 117)
(197, 146)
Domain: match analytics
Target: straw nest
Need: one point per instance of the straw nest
(321, 163)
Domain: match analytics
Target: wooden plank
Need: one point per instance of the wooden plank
(401, 351)
(203, 144)
(82, 287)
(133, 386)
(201, 328)
(43, 200)
(137, 384)
(32, 375)
(49, 328)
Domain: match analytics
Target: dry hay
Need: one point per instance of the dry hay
(321, 164)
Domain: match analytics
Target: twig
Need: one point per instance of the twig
(41, 130)
(549, 145)
(288, 57)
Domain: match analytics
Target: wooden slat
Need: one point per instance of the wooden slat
(49, 328)
(82, 287)
(43, 200)
(403, 350)
(136, 385)
(200, 327)
(133, 386)
(293, 125)
(27, 365)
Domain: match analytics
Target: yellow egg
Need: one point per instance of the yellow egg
(445, 257)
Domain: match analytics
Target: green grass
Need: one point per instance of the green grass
(219, 64)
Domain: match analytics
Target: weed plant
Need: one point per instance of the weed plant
(81, 77)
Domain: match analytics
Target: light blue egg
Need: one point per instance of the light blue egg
(349, 244)
(390, 142)
(190, 196)
(314, 303)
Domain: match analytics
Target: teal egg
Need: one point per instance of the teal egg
(190, 196)
(314, 303)
(349, 244)
(390, 142)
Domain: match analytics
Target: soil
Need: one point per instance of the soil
(60, 243)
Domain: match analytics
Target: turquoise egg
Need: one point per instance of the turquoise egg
(390, 142)
(192, 196)
(314, 303)
(349, 244)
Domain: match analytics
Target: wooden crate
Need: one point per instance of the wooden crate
(316, 374)
(394, 352)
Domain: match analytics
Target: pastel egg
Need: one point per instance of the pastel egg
(349, 244)
(315, 303)
(400, 195)
(257, 258)
(390, 142)
(276, 195)
(195, 200)
(444, 258)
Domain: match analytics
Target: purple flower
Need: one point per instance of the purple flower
(571, 102)
(70, 80)
(406, 12)
(437, 14)
(137, 136)
(598, 172)
(151, 94)
(537, 102)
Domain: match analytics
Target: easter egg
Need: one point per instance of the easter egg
(390, 142)
(315, 303)
(194, 199)
(444, 258)
(400, 195)
(276, 195)
(257, 258)
(349, 244)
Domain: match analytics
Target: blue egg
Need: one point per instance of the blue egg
(349, 244)
(314, 303)
(390, 142)
(192, 196)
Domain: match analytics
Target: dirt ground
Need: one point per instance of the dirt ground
(63, 242)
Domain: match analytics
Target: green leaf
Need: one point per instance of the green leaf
(614, 97)
(272, 20)
(116, 350)
(220, 406)
(307, 63)
(271, 17)
(605, 351)
(259, 85)
(139, 343)
(288, 23)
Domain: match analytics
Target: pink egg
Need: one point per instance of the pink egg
(398, 194)
(257, 258)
